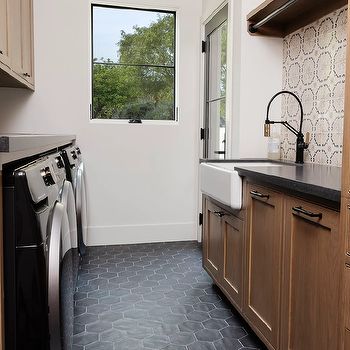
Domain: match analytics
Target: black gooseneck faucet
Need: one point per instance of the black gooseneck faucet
(301, 144)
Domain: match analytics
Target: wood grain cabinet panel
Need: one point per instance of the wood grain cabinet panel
(311, 278)
(264, 261)
(232, 269)
(212, 240)
(347, 296)
(347, 340)
(4, 32)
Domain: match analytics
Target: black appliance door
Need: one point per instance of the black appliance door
(60, 284)
(80, 202)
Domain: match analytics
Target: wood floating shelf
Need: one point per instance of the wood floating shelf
(278, 18)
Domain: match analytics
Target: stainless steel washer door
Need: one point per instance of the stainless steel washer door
(80, 202)
(68, 200)
(60, 284)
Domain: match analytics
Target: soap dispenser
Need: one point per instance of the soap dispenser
(274, 146)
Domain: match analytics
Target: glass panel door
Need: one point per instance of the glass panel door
(216, 73)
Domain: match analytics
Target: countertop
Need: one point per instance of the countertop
(22, 142)
(307, 180)
(17, 146)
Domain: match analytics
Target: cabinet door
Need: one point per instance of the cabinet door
(212, 240)
(312, 277)
(4, 32)
(232, 272)
(15, 36)
(263, 266)
(27, 40)
(347, 340)
(347, 296)
(21, 38)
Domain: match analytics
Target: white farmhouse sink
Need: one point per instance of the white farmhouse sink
(221, 182)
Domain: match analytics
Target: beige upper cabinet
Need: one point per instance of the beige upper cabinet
(4, 32)
(18, 36)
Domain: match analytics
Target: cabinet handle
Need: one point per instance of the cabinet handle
(1, 52)
(26, 75)
(347, 265)
(260, 195)
(220, 214)
(300, 210)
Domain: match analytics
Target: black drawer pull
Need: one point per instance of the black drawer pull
(347, 266)
(220, 214)
(1, 52)
(300, 210)
(26, 75)
(260, 195)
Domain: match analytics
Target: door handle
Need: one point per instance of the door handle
(301, 210)
(260, 195)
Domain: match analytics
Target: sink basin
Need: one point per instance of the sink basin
(222, 182)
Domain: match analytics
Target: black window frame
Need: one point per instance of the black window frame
(175, 118)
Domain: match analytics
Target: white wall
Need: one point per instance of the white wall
(254, 76)
(142, 180)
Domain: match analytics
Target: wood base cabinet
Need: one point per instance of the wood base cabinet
(212, 240)
(232, 269)
(311, 289)
(264, 261)
(223, 250)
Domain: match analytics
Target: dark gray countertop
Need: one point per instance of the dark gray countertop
(308, 179)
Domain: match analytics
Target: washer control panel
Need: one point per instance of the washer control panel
(47, 176)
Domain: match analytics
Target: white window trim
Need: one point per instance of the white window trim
(149, 6)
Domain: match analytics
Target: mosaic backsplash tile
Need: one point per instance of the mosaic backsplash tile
(314, 60)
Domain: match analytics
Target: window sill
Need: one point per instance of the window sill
(126, 122)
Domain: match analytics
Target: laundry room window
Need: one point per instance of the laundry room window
(133, 64)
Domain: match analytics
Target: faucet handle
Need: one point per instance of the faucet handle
(307, 138)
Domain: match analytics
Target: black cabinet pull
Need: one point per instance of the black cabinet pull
(220, 214)
(26, 75)
(1, 52)
(260, 195)
(300, 210)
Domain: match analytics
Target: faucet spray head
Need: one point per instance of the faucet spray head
(267, 129)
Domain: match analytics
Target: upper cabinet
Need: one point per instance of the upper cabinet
(16, 44)
(278, 18)
(4, 32)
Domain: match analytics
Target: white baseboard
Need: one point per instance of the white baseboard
(132, 234)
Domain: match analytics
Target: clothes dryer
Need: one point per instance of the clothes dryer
(38, 296)
(75, 171)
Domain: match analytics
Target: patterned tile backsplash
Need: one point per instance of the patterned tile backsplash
(314, 60)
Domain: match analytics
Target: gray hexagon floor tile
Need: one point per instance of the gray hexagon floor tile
(153, 296)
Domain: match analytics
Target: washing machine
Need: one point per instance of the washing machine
(76, 175)
(39, 285)
(67, 198)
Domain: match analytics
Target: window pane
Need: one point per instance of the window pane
(218, 62)
(217, 127)
(133, 92)
(133, 36)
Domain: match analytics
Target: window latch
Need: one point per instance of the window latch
(135, 121)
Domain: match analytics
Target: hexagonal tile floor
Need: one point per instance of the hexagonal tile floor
(153, 296)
